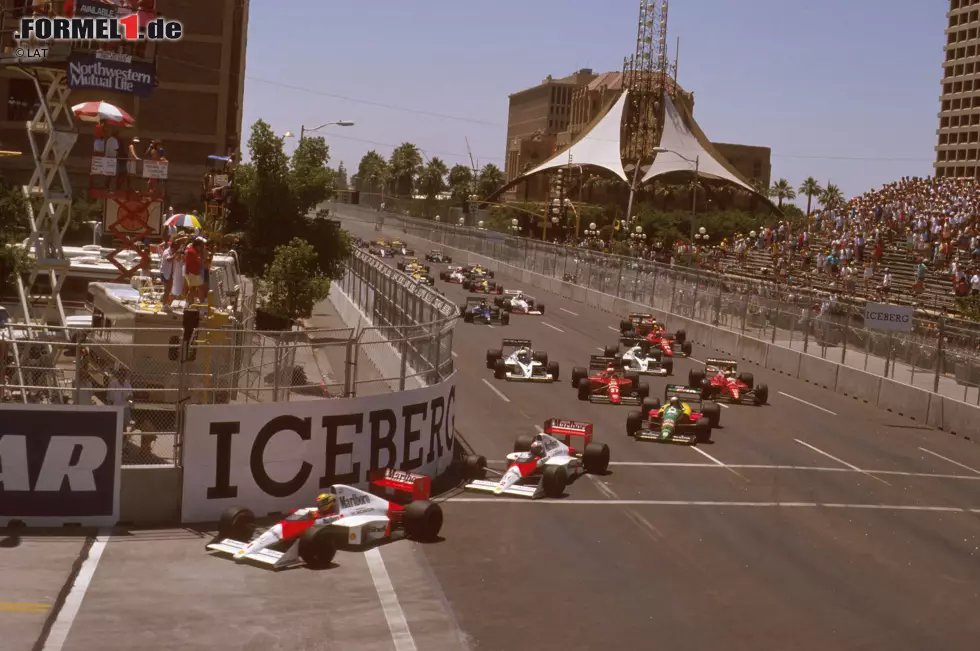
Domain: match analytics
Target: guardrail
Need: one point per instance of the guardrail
(939, 355)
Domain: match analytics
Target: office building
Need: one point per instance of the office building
(959, 115)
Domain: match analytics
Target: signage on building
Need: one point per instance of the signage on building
(279, 456)
(91, 72)
(102, 166)
(155, 169)
(60, 464)
(893, 318)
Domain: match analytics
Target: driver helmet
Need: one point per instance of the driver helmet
(674, 402)
(729, 372)
(610, 367)
(524, 355)
(326, 503)
(520, 296)
(537, 449)
(483, 302)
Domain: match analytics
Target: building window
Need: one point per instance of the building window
(23, 102)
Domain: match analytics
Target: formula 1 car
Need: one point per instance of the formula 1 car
(435, 255)
(643, 358)
(453, 275)
(517, 361)
(720, 379)
(606, 382)
(481, 286)
(668, 343)
(310, 537)
(477, 271)
(381, 252)
(477, 311)
(516, 301)
(544, 465)
(360, 244)
(419, 276)
(412, 264)
(638, 323)
(670, 424)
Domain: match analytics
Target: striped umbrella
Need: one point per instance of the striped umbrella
(95, 111)
(184, 221)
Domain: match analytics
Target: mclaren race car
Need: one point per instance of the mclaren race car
(516, 301)
(482, 286)
(676, 421)
(310, 536)
(453, 275)
(606, 382)
(542, 466)
(720, 379)
(515, 360)
(477, 310)
(435, 255)
(643, 358)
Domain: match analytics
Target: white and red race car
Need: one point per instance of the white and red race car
(543, 465)
(517, 302)
(307, 536)
(453, 275)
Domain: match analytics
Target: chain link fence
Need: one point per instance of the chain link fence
(940, 354)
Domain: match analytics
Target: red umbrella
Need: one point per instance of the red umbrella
(94, 111)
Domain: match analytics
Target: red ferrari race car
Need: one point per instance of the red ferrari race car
(543, 465)
(720, 379)
(343, 516)
(676, 421)
(606, 382)
(671, 345)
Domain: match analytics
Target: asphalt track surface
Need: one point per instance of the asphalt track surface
(814, 522)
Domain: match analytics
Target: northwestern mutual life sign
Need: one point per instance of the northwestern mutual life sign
(118, 75)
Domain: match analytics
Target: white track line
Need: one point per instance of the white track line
(600, 348)
(397, 624)
(841, 461)
(496, 390)
(605, 490)
(955, 463)
(708, 456)
(66, 615)
(567, 311)
(454, 354)
(722, 405)
(613, 329)
(812, 505)
(695, 359)
(548, 325)
(807, 403)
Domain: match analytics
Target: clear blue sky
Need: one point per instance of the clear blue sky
(844, 90)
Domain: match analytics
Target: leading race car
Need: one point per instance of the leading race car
(453, 275)
(516, 301)
(676, 421)
(542, 466)
(411, 265)
(478, 310)
(517, 361)
(720, 379)
(482, 286)
(344, 515)
(606, 382)
(643, 358)
(642, 321)
(436, 255)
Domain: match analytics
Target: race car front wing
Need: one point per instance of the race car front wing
(683, 435)
(517, 490)
(516, 377)
(276, 559)
(623, 400)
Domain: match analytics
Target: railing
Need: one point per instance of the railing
(940, 354)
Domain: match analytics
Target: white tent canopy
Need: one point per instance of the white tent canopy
(682, 143)
(599, 147)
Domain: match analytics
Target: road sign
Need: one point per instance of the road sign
(893, 318)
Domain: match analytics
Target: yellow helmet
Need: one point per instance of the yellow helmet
(325, 501)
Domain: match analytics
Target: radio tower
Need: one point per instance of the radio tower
(646, 76)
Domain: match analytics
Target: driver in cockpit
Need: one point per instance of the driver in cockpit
(524, 355)
(537, 450)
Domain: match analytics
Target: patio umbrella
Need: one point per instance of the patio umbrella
(184, 221)
(94, 111)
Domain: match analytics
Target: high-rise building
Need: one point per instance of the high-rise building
(195, 110)
(959, 116)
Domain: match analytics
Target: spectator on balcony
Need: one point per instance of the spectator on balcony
(112, 152)
(132, 161)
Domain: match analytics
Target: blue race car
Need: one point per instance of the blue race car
(479, 310)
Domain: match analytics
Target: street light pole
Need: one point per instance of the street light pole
(339, 123)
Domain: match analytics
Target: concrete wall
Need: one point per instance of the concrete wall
(149, 495)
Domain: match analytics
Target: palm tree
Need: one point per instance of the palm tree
(831, 197)
(405, 163)
(370, 171)
(432, 179)
(782, 190)
(461, 183)
(491, 179)
(811, 189)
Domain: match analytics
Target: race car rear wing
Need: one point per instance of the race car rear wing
(401, 483)
(598, 362)
(516, 343)
(683, 392)
(639, 316)
(718, 363)
(560, 427)
(512, 292)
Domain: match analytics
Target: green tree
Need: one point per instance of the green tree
(13, 229)
(293, 283)
(490, 180)
(781, 190)
(461, 184)
(311, 180)
(340, 179)
(372, 173)
(811, 188)
(432, 180)
(405, 164)
(831, 197)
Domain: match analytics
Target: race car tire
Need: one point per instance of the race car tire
(540, 356)
(578, 373)
(554, 480)
(400, 266)
(711, 411)
(762, 394)
(444, 276)
(695, 377)
(702, 431)
(650, 404)
(523, 443)
(427, 269)
(584, 388)
(423, 520)
(508, 307)
(668, 366)
(237, 523)
(643, 329)
(475, 466)
(466, 284)
(644, 390)
(317, 547)
(493, 354)
(596, 458)
(467, 317)
(680, 336)
(610, 351)
(448, 260)
(499, 301)
(504, 319)
(540, 308)
(499, 369)
(489, 274)
(625, 326)
(748, 379)
(552, 369)
(634, 422)
(687, 349)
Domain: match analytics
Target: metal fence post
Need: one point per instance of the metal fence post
(276, 371)
(941, 355)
